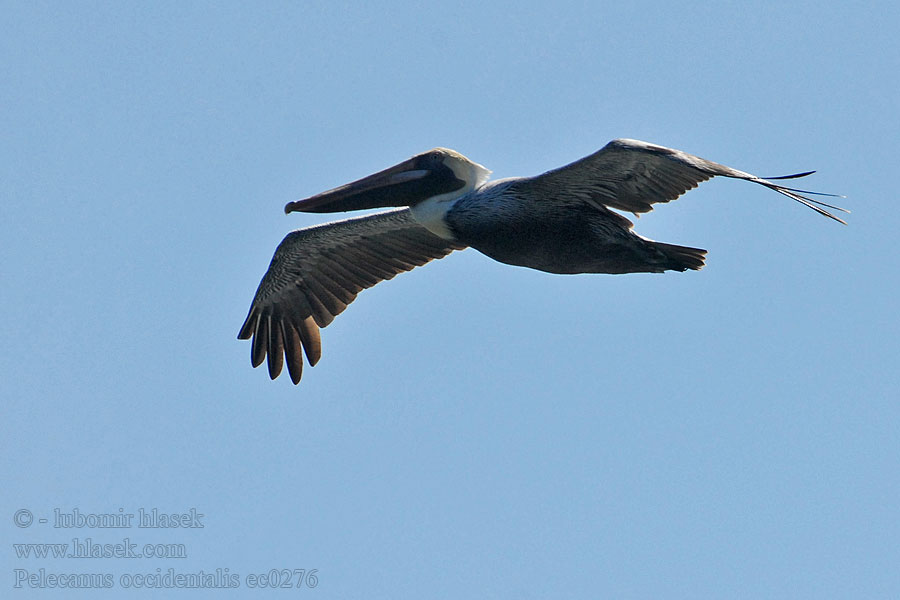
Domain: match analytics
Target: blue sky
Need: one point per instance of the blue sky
(473, 429)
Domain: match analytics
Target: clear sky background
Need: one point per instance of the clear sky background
(473, 429)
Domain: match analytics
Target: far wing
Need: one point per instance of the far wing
(632, 175)
(316, 272)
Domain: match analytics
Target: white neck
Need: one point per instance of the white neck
(430, 213)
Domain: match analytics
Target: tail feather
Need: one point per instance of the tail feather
(682, 258)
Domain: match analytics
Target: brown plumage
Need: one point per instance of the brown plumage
(561, 222)
(316, 272)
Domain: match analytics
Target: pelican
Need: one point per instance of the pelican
(558, 222)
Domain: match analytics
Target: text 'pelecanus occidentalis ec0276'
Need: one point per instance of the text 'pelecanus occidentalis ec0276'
(559, 222)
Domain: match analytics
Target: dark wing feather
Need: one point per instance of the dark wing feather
(632, 175)
(316, 272)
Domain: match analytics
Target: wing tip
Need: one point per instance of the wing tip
(278, 343)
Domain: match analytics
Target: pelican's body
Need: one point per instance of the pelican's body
(505, 221)
(559, 222)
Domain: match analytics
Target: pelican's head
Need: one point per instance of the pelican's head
(437, 173)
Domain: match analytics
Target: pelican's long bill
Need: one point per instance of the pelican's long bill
(422, 176)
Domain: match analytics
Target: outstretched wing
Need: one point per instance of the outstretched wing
(632, 175)
(316, 272)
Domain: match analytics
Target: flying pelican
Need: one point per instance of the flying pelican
(559, 222)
